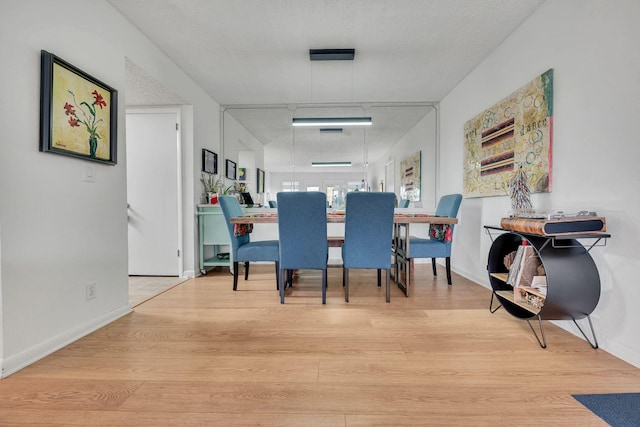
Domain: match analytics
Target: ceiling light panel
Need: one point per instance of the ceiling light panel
(336, 121)
(330, 164)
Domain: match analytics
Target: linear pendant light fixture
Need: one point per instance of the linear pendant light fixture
(332, 121)
(329, 164)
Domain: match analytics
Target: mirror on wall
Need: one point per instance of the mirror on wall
(261, 136)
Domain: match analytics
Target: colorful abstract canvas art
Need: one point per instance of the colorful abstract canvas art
(516, 132)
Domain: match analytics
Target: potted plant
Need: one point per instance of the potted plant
(212, 186)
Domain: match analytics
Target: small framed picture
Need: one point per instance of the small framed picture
(209, 161)
(230, 171)
(242, 174)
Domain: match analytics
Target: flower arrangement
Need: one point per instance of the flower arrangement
(86, 114)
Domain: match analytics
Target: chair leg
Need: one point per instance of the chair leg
(235, 275)
(324, 286)
(388, 285)
(290, 278)
(277, 275)
(433, 264)
(379, 278)
(282, 285)
(448, 264)
(345, 283)
(246, 271)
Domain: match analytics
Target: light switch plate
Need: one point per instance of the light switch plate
(88, 174)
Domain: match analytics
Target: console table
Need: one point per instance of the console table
(573, 282)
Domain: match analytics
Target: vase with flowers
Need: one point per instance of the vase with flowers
(86, 113)
(212, 186)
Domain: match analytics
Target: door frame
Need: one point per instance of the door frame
(179, 207)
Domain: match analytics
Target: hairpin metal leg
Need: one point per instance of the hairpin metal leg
(491, 309)
(542, 343)
(593, 344)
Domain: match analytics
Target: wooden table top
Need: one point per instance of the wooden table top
(408, 218)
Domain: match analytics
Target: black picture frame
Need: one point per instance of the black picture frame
(209, 161)
(78, 113)
(230, 169)
(260, 181)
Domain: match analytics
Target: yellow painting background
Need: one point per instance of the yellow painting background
(76, 139)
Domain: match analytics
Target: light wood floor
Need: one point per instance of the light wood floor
(203, 355)
(143, 288)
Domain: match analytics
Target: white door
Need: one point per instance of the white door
(152, 192)
(389, 175)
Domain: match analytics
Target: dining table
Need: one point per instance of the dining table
(400, 248)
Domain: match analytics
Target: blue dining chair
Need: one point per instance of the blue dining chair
(404, 203)
(368, 233)
(436, 247)
(242, 248)
(302, 227)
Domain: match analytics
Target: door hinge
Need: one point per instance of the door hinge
(177, 126)
(178, 253)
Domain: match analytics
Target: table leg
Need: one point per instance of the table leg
(396, 241)
(401, 260)
(407, 259)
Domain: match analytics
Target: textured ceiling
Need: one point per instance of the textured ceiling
(257, 51)
(142, 89)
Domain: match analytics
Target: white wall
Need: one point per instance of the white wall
(592, 45)
(58, 232)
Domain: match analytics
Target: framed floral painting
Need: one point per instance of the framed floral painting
(78, 112)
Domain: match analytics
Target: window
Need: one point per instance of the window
(288, 186)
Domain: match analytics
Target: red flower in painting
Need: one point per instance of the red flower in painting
(87, 115)
(100, 102)
(68, 109)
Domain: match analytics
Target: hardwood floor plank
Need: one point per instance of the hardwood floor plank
(320, 348)
(34, 393)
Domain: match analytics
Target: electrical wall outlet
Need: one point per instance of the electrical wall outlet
(91, 290)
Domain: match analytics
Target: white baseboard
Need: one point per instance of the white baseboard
(13, 364)
(189, 274)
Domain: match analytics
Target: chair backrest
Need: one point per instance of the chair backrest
(230, 209)
(368, 230)
(448, 205)
(404, 203)
(302, 228)
(273, 204)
